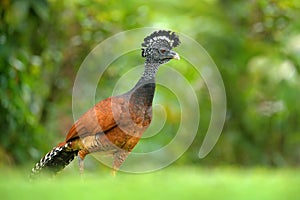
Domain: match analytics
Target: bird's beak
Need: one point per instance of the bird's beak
(175, 55)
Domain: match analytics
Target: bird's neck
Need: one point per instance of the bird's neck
(149, 73)
(144, 90)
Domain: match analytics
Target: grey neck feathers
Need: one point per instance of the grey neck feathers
(149, 73)
(143, 91)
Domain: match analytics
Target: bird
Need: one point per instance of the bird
(114, 125)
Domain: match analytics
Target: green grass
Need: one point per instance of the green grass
(170, 183)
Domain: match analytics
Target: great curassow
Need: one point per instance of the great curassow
(115, 125)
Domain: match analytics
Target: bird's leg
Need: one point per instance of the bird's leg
(81, 156)
(81, 165)
(119, 158)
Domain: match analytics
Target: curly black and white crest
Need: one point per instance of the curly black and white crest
(161, 38)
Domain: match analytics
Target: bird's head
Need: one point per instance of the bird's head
(157, 47)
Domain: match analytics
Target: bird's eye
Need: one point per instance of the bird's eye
(162, 51)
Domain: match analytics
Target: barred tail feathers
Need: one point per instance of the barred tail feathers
(55, 160)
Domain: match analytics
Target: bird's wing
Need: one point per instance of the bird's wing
(99, 118)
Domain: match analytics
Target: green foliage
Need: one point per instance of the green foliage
(261, 73)
(23, 87)
(255, 44)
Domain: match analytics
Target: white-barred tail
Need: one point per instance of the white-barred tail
(54, 161)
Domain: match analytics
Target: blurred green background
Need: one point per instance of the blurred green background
(255, 44)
